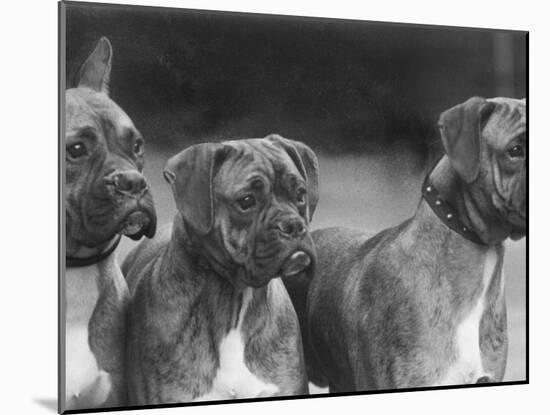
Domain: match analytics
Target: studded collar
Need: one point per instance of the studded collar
(446, 212)
(76, 262)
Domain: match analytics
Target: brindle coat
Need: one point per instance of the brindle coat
(418, 304)
(189, 285)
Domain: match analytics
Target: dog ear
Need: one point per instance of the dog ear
(96, 70)
(306, 161)
(460, 129)
(190, 175)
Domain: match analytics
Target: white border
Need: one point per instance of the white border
(29, 203)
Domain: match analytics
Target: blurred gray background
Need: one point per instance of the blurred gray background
(365, 96)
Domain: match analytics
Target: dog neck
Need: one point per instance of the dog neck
(475, 269)
(474, 209)
(195, 275)
(203, 253)
(83, 256)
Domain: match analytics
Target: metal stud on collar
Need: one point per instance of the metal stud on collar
(446, 212)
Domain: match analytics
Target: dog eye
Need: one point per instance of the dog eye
(77, 150)
(247, 202)
(138, 147)
(516, 152)
(301, 195)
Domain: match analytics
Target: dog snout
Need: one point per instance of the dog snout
(293, 227)
(129, 182)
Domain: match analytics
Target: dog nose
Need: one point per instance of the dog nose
(292, 227)
(129, 182)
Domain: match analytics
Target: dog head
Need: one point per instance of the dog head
(106, 193)
(486, 142)
(250, 202)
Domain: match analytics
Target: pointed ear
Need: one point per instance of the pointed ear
(460, 129)
(190, 174)
(96, 70)
(306, 161)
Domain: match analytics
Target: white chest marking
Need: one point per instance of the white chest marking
(86, 386)
(233, 379)
(468, 366)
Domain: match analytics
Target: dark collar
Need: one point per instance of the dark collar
(446, 212)
(76, 262)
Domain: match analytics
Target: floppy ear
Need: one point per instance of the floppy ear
(190, 175)
(460, 129)
(306, 161)
(96, 70)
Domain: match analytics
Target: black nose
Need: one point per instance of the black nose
(293, 227)
(129, 182)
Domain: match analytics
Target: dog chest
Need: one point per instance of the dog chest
(233, 379)
(467, 366)
(85, 384)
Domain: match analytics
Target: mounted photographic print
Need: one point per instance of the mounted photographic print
(258, 206)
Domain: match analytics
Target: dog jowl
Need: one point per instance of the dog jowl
(106, 193)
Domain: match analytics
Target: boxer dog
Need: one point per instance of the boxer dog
(210, 318)
(105, 196)
(423, 304)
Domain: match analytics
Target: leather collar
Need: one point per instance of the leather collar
(446, 212)
(76, 262)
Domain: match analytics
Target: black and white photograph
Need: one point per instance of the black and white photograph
(256, 207)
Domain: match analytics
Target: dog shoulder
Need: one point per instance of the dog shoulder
(355, 267)
(338, 249)
(140, 256)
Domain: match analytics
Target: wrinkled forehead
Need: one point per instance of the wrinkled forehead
(251, 159)
(507, 121)
(89, 109)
